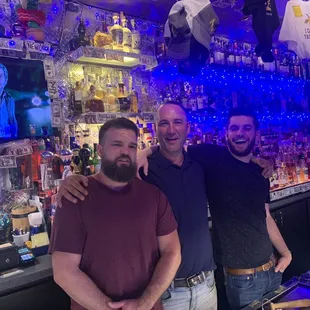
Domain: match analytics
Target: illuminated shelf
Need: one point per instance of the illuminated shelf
(289, 191)
(96, 55)
(100, 118)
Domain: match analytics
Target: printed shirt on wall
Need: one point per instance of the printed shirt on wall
(296, 27)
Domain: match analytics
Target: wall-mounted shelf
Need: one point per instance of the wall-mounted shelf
(100, 118)
(101, 56)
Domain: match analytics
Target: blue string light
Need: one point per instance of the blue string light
(250, 83)
(285, 120)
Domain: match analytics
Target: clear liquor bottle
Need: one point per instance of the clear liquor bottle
(133, 98)
(117, 33)
(127, 35)
(112, 101)
(200, 100)
(193, 101)
(136, 38)
(122, 97)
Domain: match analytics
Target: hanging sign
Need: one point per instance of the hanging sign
(52, 89)
(49, 68)
(57, 116)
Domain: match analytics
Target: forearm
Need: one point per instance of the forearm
(82, 289)
(163, 275)
(276, 237)
(150, 150)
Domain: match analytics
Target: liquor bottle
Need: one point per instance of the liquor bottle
(230, 55)
(282, 176)
(90, 159)
(46, 168)
(193, 101)
(66, 157)
(145, 105)
(83, 39)
(103, 38)
(136, 38)
(216, 48)
(297, 67)
(184, 97)
(84, 155)
(78, 106)
(160, 52)
(304, 167)
(237, 55)
(200, 100)
(57, 145)
(117, 34)
(122, 97)
(127, 36)
(76, 161)
(81, 28)
(133, 98)
(219, 53)
(112, 101)
(96, 159)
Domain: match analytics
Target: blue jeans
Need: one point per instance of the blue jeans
(243, 290)
(200, 297)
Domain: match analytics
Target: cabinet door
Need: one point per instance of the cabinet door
(293, 224)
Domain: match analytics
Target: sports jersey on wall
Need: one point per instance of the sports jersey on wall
(296, 27)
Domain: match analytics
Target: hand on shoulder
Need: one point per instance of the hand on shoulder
(72, 189)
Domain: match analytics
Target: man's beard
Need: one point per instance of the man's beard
(244, 153)
(123, 173)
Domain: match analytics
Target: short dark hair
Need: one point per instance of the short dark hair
(117, 123)
(243, 111)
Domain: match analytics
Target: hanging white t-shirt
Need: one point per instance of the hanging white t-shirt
(295, 29)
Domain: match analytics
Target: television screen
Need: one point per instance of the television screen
(24, 99)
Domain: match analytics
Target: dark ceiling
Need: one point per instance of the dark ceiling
(228, 11)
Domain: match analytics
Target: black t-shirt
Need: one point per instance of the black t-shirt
(237, 193)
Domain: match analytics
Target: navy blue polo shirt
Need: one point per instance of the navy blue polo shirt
(185, 189)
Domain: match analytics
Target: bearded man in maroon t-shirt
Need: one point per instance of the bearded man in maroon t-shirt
(119, 248)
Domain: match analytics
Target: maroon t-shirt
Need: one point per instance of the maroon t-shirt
(116, 234)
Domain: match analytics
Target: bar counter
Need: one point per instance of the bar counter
(34, 288)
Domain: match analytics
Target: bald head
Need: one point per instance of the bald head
(170, 107)
(172, 128)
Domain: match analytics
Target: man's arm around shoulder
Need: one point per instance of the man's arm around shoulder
(76, 283)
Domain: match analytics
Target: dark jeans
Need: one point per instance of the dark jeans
(243, 290)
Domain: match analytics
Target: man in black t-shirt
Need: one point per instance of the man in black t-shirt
(244, 231)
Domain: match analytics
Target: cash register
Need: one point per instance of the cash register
(12, 256)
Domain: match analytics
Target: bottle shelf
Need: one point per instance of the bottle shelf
(101, 56)
(100, 118)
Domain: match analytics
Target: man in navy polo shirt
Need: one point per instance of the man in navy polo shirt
(182, 181)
